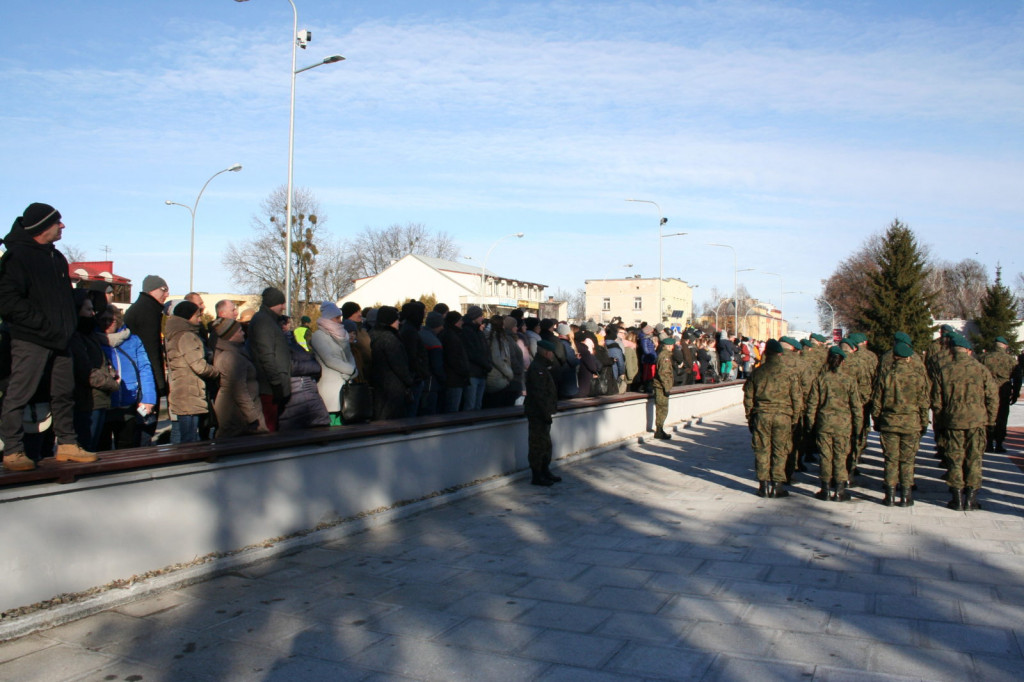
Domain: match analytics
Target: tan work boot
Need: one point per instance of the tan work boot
(18, 461)
(73, 452)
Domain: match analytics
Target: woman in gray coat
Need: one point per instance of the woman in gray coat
(332, 348)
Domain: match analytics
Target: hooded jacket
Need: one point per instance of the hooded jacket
(35, 292)
(187, 367)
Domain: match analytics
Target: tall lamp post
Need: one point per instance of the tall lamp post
(298, 40)
(735, 287)
(661, 254)
(192, 211)
(483, 268)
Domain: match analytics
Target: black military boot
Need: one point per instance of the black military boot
(540, 479)
(550, 476)
(971, 499)
(843, 492)
(907, 498)
(999, 447)
(988, 446)
(661, 435)
(956, 503)
(779, 491)
(888, 496)
(762, 489)
(823, 493)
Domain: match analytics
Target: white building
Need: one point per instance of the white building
(456, 284)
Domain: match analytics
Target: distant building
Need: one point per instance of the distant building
(456, 284)
(102, 271)
(635, 300)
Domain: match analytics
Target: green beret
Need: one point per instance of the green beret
(903, 350)
(546, 345)
(818, 337)
(902, 336)
(791, 341)
(772, 347)
(669, 341)
(1002, 340)
(806, 343)
(960, 341)
(858, 338)
(849, 342)
(836, 350)
(947, 328)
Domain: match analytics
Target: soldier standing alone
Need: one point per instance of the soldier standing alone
(664, 378)
(540, 404)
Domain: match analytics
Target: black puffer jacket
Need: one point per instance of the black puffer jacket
(389, 373)
(35, 292)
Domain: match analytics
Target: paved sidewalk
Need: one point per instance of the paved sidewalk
(655, 560)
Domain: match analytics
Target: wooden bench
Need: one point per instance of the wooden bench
(50, 470)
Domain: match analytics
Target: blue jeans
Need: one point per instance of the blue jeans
(473, 395)
(88, 426)
(452, 400)
(186, 429)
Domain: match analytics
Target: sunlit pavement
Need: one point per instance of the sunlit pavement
(655, 560)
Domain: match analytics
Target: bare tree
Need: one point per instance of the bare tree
(960, 288)
(374, 249)
(847, 288)
(577, 300)
(260, 263)
(73, 253)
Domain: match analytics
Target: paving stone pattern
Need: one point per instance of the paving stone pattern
(652, 561)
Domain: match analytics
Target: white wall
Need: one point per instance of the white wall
(68, 538)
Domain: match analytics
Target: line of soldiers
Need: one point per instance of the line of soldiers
(808, 397)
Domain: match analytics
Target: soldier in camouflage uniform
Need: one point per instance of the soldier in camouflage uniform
(899, 410)
(664, 378)
(1002, 365)
(939, 355)
(815, 356)
(867, 364)
(834, 414)
(885, 362)
(772, 400)
(795, 364)
(540, 404)
(966, 399)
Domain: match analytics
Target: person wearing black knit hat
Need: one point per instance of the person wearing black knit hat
(390, 375)
(271, 355)
(37, 303)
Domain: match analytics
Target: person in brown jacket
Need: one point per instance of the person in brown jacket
(237, 405)
(187, 369)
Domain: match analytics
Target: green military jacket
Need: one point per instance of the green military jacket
(541, 391)
(665, 374)
(834, 404)
(1001, 364)
(900, 400)
(773, 388)
(965, 396)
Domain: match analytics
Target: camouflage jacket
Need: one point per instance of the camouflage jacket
(834, 404)
(665, 373)
(965, 396)
(814, 359)
(856, 365)
(773, 388)
(1001, 364)
(541, 391)
(900, 400)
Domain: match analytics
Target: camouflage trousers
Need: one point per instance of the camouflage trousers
(539, 440)
(772, 442)
(899, 449)
(834, 449)
(660, 408)
(997, 432)
(964, 448)
(861, 441)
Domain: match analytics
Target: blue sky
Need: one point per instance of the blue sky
(790, 130)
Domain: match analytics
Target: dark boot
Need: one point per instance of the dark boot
(888, 496)
(955, 503)
(971, 499)
(762, 489)
(999, 447)
(843, 492)
(779, 491)
(988, 446)
(540, 479)
(661, 435)
(907, 498)
(550, 476)
(823, 493)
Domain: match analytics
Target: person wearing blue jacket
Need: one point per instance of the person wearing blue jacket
(135, 399)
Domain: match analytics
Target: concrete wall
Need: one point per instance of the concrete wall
(68, 538)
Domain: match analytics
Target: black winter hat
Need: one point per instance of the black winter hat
(349, 308)
(185, 310)
(387, 315)
(272, 297)
(37, 217)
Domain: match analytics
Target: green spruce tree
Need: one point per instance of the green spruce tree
(898, 296)
(998, 316)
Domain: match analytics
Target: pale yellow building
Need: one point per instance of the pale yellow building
(635, 300)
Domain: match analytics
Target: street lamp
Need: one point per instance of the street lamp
(483, 268)
(821, 299)
(735, 287)
(300, 40)
(192, 211)
(661, 257)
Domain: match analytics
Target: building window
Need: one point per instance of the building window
(638, 303)
(606, 304)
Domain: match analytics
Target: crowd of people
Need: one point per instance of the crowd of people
(815, 397)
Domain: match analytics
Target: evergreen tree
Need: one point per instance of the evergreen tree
(898, 295)
(998, 316)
